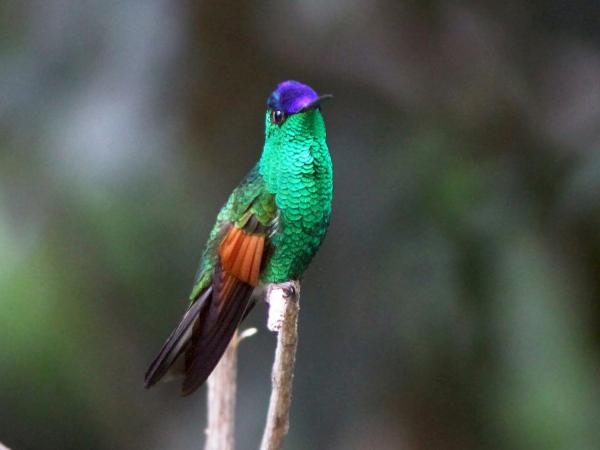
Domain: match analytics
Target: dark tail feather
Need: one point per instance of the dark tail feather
(214, 329)
(178, 341)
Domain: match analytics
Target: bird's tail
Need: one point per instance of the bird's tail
(203, 333)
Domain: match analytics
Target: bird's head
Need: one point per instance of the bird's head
(293, 111)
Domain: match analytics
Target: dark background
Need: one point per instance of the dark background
(455, 302)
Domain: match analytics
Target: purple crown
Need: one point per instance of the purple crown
(291, 97)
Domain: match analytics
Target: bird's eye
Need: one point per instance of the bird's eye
(277, 116)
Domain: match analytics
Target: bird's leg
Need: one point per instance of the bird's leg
(277, 296)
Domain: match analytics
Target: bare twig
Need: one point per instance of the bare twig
(220, 430)
(284, 304)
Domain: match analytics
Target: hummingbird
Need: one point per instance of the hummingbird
(268, 232)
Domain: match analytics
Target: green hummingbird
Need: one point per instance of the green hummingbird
(268, 232)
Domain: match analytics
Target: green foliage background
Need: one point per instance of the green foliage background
(455, 303)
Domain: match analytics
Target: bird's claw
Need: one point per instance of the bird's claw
(277, 297)
(289, 291)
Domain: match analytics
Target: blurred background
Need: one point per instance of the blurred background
(455, 302)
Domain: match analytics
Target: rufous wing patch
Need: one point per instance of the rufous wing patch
(241, 254)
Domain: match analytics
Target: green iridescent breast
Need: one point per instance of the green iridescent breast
(296, 168)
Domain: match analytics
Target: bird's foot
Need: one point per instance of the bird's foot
(289, 291)
(277, 297)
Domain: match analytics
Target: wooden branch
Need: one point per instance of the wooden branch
(284, 304)
(220, 429)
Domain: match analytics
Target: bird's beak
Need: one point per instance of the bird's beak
(316, 102)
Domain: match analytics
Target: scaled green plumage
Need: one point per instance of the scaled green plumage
(290, 189)
(269, 230)
(296, 168)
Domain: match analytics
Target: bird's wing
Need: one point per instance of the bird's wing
(241, 255)
(250, 198)
(222, 293)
